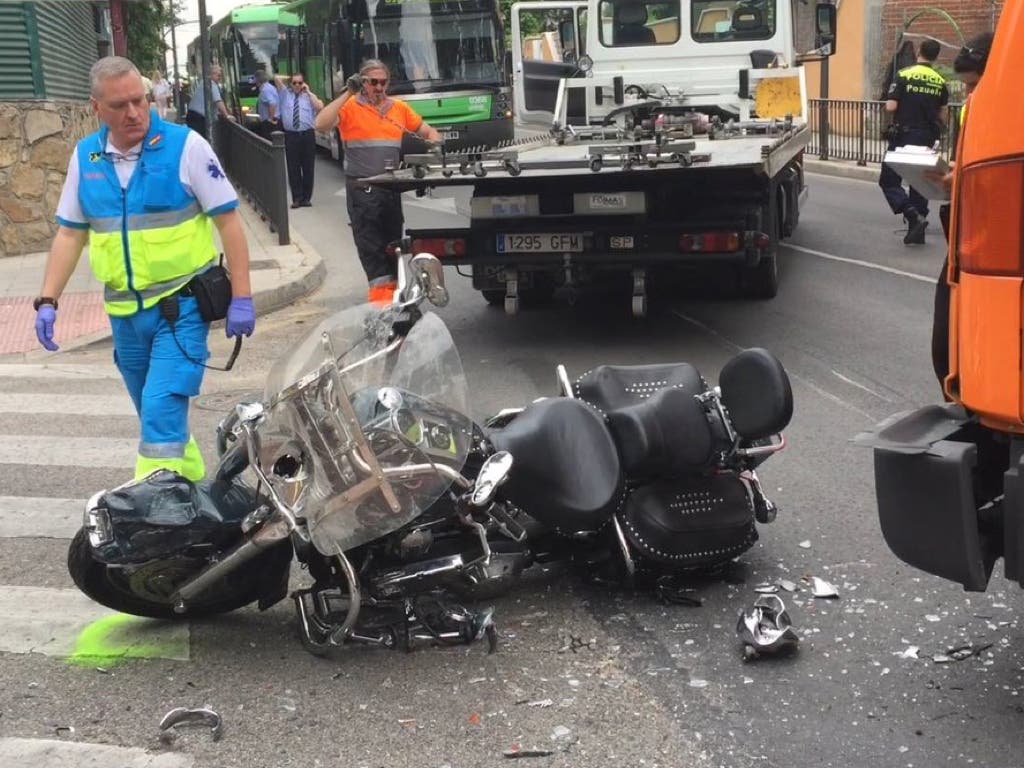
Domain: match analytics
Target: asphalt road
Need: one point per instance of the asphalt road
(654, 685)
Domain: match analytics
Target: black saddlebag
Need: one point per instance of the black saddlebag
(165, 514)
(691, 522)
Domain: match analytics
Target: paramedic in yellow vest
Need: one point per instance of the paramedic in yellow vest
(371, 125)
(145, 194)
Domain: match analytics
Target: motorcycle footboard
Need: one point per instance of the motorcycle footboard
(928, 493)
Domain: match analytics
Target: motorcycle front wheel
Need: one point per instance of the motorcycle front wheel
(145, 590)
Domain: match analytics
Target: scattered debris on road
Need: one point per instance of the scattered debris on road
(766, 628)
(183, 716)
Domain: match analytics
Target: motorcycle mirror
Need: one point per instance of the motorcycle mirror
(430, 276)
(249, 412)
(493, 473)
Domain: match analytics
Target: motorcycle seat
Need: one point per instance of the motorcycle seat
(658, 426)
(667, 435)
(610, 387)
(565, 471)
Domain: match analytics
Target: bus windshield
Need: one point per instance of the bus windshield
(258, 44)
(434, 52)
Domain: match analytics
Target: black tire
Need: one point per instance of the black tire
(762, 281)
(111, 586)
(494, 296)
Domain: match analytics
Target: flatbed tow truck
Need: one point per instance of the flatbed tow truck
(637, 177)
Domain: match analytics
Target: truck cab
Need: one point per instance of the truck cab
(693, 48)
(950, 478)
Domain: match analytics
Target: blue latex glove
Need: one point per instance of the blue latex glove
(45, 318)
(241, 320)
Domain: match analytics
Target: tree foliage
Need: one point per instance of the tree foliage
(145, 22)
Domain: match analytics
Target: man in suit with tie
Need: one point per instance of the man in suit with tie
(298, 109)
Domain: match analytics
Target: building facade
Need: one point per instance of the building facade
(46, 51)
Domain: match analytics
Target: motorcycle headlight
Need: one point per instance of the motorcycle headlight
(97, 522)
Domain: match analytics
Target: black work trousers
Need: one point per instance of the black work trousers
(377, 221)
(892, 183)
(300, 154)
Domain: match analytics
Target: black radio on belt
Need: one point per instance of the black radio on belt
(212, 292)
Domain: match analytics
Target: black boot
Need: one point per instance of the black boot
(916, 225)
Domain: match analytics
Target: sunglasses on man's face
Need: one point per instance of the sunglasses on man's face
(376, 81)
(297, 82)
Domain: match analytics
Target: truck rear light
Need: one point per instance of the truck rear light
(709, 242)
(990, 241)
(439, 246)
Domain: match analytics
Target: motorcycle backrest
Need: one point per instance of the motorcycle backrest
(756, 393)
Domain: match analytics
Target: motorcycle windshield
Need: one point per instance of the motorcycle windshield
(364, 428)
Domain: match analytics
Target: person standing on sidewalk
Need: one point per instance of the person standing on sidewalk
(145, 194)
(299, 108)
(267, 106)
(917, 100)
(195, 118)
(161, 93)
(371, 126)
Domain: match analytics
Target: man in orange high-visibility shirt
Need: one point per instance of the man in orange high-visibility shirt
(371, 126)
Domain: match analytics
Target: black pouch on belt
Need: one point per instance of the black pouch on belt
(212, 291)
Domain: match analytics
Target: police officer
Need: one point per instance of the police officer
(371, 125)
(146, 194)
(918, 99)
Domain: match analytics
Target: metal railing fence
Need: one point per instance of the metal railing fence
(258, 170)
(854, 130)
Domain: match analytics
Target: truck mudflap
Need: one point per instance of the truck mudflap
(939, 480)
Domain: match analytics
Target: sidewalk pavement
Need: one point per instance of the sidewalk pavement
(280, 275)
(846, 169)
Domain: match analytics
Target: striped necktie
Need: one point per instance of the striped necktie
(295, 111)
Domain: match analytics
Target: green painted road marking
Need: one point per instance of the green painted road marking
(66, 623)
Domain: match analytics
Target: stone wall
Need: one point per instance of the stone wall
(36, 141)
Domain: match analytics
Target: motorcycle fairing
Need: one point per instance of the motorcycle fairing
(566, 472)
(690, 522)
(165, 514)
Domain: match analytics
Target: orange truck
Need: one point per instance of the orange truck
(950, 478)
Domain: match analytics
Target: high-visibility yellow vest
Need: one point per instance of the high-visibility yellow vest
(149, 240)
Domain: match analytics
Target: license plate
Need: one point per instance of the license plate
(620, 242)
(449, 135)
(542, 242)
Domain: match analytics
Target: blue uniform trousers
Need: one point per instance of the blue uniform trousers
(160, 379)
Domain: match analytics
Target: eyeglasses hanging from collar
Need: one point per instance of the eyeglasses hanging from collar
(126, 157)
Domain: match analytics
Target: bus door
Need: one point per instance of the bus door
(547, 40)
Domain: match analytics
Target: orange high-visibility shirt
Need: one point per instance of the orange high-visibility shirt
(372, 136)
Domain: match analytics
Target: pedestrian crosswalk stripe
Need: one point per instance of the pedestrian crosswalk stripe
(78, 405)
(66, 623)
(49, 451)
(63, 371)
(40, 517)
(33, 753)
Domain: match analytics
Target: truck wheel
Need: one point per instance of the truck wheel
(762, 281)
(494, 296)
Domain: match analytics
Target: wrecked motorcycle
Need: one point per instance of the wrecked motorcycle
(360, 462)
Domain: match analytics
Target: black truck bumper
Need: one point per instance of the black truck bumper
(950, 502)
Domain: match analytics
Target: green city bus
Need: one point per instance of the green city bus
(447, 60)
(249, 38)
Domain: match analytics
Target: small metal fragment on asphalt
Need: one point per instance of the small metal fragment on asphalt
(59, 729)
(542, 703)
(824, 589)
(767, 589)
(787, 585)
(909, 653)
(516, 751)
(200, 716)
(766, 628)
(806, 544)
(561, 733)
